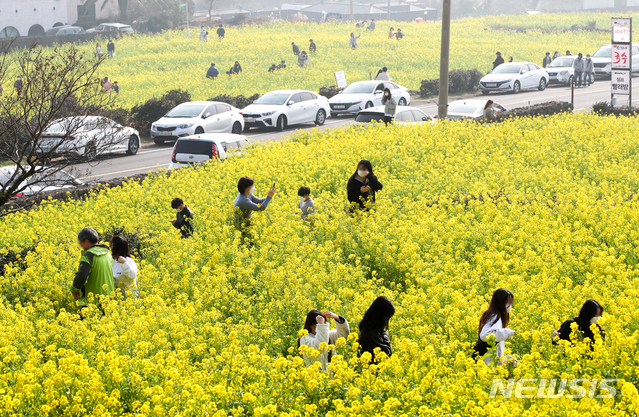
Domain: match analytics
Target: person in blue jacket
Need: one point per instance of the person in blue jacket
(213, 71)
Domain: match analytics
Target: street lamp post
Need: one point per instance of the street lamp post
(442, 110)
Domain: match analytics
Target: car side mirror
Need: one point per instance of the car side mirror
(424, 118)
(291, 102)
(378, 92)
(205, 115)
(339, 92)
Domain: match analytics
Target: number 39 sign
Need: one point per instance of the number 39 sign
(620, 56)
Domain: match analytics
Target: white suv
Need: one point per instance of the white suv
(602, 60)
(111, 28)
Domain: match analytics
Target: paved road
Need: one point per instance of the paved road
(153, 157)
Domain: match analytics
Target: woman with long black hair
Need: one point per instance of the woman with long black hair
(590, 314)
(362, 185)
(125, 271)
(494, 321)
(373, 329)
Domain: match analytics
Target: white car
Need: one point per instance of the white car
(283, 108)
(108, 28)
(514, 76)
(42, 182)
(471, 109)
(90, 136)
(366, 94)
(197, 117)
(404, 116)
(199, 149)
(602, 60)
(560, 70)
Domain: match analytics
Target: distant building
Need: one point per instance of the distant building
(549, 6)
(34, 17)
(401, 12)
(228, 14)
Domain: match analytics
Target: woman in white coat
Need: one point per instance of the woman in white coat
(494, 321)
(318, 332)
(125, 271)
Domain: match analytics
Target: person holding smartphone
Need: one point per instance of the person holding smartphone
(362, 186)
(246, 203)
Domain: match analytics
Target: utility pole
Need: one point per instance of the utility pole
(443, 63)
(389, 14)
(352, 11)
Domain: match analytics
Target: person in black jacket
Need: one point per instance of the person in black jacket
(221, 32)
(235, 69)
(184, 218)
(111, 48)
(498, 61)
(362, 185)
(547, 60)
(590, 313)
(373, 329)
(296, 49)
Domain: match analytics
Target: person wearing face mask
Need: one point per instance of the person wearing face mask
(319, 332)
(494, 321)
(362, 186)
(306, 205)
(590, 314)
(390, 106)
(246, 203)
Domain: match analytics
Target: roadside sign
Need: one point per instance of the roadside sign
(620, 82)
(340, 79)
(621, 75)
(620, 56)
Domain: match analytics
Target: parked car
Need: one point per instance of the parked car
(404, 116)
(197, 117)
(199, 149)
(282, 108)
(602, 60)
(50, 179)
(111, 28)
(560, 70)
(92, 136)
(471, 109)
(366, 94)
(63, 30)
(514, 76)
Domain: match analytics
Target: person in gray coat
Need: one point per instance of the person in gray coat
(354, 40)
(390, 106)
(589, 70)
(579, 65)
(246, 203)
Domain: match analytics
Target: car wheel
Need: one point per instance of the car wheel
(368, 105)
(90, 152)
(281, 122)
(320, 118)
(570, 80)
(334, 114)
(134, 145)
(237, 128)
(158, 141)
(542, 84)
(402, 102)
(516, 87)
(484, 92)
(199, 130)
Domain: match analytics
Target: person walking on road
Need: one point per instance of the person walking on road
(221, 32)
(579, 65)
(390, 106)
(547, 60)
(111, 49)
(589, 70)
(296, 49)
(212, 71)
(354, 40)
(498, 61)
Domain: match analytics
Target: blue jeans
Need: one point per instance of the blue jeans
(589, 77)
(578, 78)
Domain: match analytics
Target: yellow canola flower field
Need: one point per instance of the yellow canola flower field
(545, 207)
(150, 65)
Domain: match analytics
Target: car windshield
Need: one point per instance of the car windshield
(370, 117)
(196, 147)
(603, 52)
(463, 107)
(359, 88)
(561, 62)
(507, 69)
(275, 99)
(188, 110)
